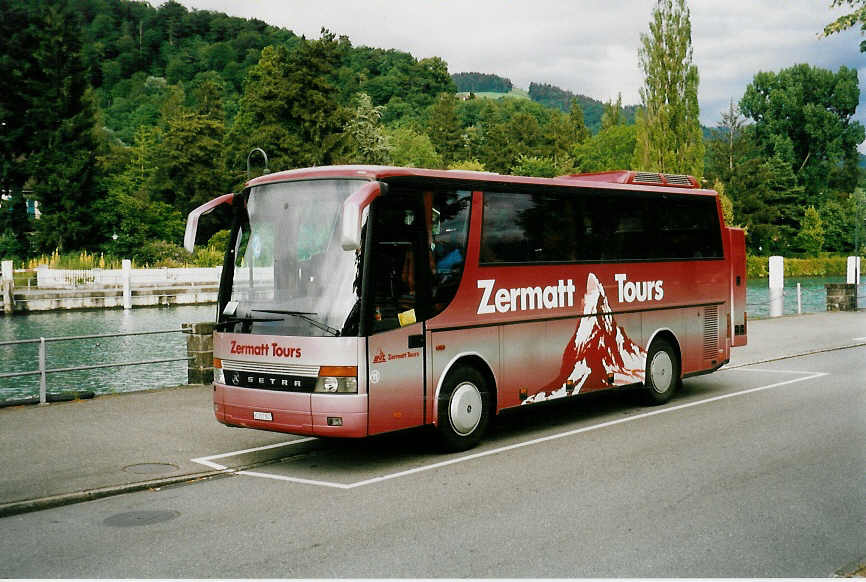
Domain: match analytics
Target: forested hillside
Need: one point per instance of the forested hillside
(593, 109)
(481, 83)
(119, 118)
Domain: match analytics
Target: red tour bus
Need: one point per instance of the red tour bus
(357, 300)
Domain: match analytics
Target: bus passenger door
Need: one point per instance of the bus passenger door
(396, 340)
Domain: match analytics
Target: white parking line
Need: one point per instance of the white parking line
(207, 460)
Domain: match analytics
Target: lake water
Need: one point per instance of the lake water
(21, 358)
(813, 295)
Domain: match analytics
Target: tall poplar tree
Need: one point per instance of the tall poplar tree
(669, 137)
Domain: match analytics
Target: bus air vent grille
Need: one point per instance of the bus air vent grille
(711, 332)
(269, 368)
(647, 178)
(678, 179)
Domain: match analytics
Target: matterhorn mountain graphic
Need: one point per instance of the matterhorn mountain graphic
(600, 353)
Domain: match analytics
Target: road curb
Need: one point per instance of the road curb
(797, 355)
(39, 503)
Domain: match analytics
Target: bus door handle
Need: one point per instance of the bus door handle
(416, 341)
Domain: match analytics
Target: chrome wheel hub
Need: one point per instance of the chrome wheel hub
(661, 371)
(465, 408)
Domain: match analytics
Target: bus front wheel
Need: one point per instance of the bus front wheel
(662, 372)
(464, 409)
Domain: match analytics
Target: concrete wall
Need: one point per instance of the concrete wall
(47, 300)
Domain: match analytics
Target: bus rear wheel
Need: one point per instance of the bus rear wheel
(464, 409)
(662, 372)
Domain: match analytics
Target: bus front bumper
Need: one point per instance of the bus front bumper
(332, 415)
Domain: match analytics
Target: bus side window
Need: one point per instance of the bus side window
(396, 239)
(448, 224)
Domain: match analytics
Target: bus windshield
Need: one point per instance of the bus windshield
(291, 275)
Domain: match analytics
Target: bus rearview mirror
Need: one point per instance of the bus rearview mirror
(353, 213)
(192, 219)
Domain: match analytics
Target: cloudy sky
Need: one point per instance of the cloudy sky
(585, 46)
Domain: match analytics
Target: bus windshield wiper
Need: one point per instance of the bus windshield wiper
(236, 320)
(305, 315)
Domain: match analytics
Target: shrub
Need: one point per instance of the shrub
(758, 267)
(160, 253)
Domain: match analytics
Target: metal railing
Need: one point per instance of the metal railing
(43, 370)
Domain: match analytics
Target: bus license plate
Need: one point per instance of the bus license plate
(258, 415)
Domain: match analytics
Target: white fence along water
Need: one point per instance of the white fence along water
(48, 278)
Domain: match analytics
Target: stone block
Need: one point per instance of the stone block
(841, 296)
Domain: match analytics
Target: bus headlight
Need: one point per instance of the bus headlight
(337, 380)
(218, 375)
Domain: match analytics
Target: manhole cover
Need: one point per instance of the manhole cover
(137, 518)
(150, 468)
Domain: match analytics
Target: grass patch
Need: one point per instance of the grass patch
(513, 94)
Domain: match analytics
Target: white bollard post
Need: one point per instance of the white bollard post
(43, 383)
(8, 283)
(853, 271)
(127, 284)
(799, 300)
(777, 285)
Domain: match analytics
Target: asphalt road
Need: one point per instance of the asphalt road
(757, 471)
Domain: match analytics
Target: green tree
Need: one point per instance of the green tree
(726, 202)
(769, 204)
(811, 235)
(14, 227)
(289, 107)
(190, 161)
(364, 128)
(612, 113)
(856, 17)
(575, 117)
(540, 166)
(128, 210)
(62, 150)
(445, 130)
(469, 165)
(669, 136)
(610, 149)
(726, 146)
(804, 115)
(18, 40)
(412, 149)
(559, 139)
(838, 219)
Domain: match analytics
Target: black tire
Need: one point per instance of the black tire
(662, 372)
(461, 424)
